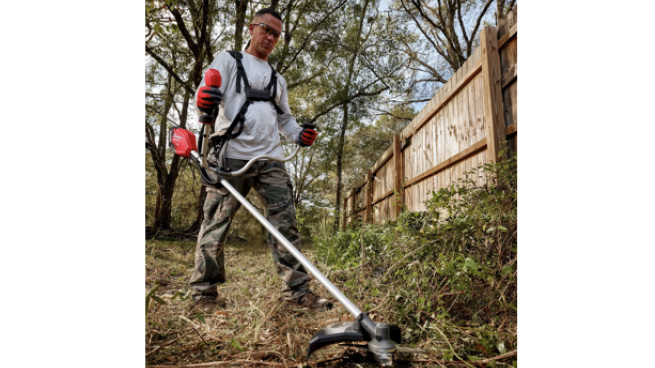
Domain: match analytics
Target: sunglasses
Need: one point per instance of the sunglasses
(268, 29)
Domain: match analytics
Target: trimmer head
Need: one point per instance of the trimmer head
(382, 346)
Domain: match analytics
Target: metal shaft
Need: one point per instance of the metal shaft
(352, 308)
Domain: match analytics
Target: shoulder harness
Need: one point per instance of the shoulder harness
(269, 94)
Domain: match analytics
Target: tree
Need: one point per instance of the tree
(178, 31)
(156, 144)
(449, 34)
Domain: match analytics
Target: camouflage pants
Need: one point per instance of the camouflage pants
(272, 182)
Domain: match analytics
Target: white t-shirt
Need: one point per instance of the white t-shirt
(260, 132)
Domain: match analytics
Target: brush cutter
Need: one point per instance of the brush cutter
(380, 338)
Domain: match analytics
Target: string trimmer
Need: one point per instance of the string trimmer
(380, 338)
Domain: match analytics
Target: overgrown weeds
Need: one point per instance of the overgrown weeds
(448, 275)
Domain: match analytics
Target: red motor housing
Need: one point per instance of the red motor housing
(182, 141)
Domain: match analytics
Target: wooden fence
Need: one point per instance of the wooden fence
(464, 125)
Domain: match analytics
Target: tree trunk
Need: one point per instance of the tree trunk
(344, 124)
(166, 178)
(340, 149)
(163, 219)
(240, 6)
(157, 205)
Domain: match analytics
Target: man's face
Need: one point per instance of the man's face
(262, 43)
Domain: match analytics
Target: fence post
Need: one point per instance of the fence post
(345, 214)
(398, 177)
(369, 197)
(493, 95)
(352, 214)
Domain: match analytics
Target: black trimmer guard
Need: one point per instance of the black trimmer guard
(349, 332)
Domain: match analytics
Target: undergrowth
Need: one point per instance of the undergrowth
(448, 275)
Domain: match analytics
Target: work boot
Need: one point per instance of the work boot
(205, 304)
(314, 302)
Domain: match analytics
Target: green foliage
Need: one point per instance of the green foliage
(450, 268)
(343, 249)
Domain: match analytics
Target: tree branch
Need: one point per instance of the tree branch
(477, 24)
(183, 29)
(359, 94)
(461, 25)
(169, 69)
(308, 79)
(418, 24)
(417, 4)
(302, 47)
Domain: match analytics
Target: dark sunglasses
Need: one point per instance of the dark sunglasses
(268, 29)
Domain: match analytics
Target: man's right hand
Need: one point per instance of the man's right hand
(307, 135)
(208, 98)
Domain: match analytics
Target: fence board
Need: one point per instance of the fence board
(383, 211)
(493, 97)
(398, 176)
(361, 196)
(508, 56)
(440, 100)
(509, 62)
(461, 156)
(384, 180)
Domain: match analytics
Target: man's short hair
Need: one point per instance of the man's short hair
(270, 11)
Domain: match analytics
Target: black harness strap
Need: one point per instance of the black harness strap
(241, 72)
(273, 84)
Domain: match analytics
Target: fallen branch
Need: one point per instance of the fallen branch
(502, 356)
(165, 344)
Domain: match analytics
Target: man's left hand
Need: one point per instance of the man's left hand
(307, 136)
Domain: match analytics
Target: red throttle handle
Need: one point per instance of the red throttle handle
(209, 95)
(213, 78)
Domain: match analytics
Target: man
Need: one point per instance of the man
(257, 122)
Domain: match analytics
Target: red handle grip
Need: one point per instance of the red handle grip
(213, 78)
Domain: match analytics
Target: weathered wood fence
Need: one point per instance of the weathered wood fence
(464, 125)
